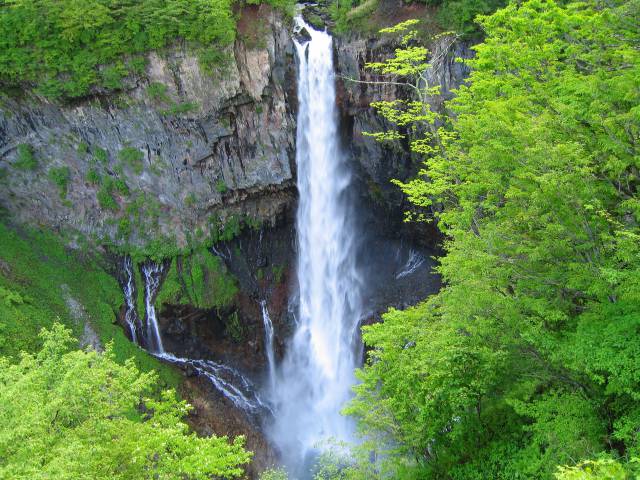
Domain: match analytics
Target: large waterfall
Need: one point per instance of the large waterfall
(316, 376)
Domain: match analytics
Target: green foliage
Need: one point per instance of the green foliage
(199, 279)
(60, 176)
(158, 91)
(221, 186)
(133, 158)
(60, 46)
(223, 231)
(528, 358)
(37, 277)
(233, 328)
(83, 149)
(602, 469)
(105, 196)
(180, 108)
(71, 414)
(26, 160)
(93, 177)
(460, 15)
(274, 474)
(101, 155)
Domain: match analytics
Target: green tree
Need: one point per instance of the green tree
(69, 414)
(528, 358)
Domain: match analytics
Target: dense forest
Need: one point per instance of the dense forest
(526, 364)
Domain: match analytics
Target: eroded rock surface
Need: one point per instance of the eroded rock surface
(209, 144)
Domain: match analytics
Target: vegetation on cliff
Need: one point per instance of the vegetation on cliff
(43, 282)
(67, 48)
(528, 358)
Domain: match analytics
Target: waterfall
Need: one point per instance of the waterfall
(228, 381)
(414, 262)
(316, 376)
(152, 273)
(130, 314)
(268, 344)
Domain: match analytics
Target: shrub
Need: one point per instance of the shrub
(60, 176)
(101, 155)
(158, 91)
(26, 159)
(93, 177)
(132, 157)
(83, 148)
(105, 195)
(221, 186)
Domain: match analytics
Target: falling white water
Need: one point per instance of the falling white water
(268, 344)
(316, 376)
(130, 315)
(414, 262)
(152, 273)
(228, 381)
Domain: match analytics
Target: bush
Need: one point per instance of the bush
(26, 160)
(76, 414)
(93, 177)
(101, 155)
(221, 186)
(105, 195)
(158, 91)
(83, 148)
(132, 157)
(60, 176)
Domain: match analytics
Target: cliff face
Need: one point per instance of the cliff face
(380, 162)
(190, 145)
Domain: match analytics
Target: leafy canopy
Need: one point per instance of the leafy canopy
(69, 414)
(65, 48)
(528, 358)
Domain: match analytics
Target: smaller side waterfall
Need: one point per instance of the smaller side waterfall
(414, 262)
(152, 273)
(229, 382)
(130, 315)
(268, 344)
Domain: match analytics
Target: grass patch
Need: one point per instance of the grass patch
(133, 158)
(26, 159)
(61, 176)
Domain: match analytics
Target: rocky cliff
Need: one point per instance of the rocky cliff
(180, 149)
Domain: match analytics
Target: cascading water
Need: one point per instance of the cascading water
(228, 381)
(316, 376)
(414, 262)
(152, 273)
(268, 344)
(130, 314)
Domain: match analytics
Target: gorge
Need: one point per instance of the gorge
(306, 378)
(344, 240)
(265, 321)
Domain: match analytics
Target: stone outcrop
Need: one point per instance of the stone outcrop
(211, 143)
(377, 162)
